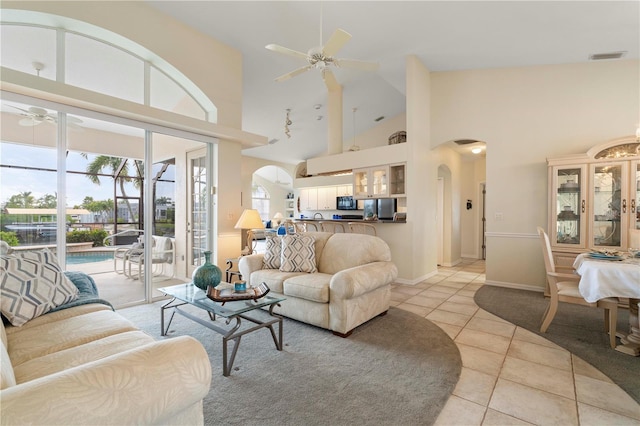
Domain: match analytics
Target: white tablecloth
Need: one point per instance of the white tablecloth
(607, 278)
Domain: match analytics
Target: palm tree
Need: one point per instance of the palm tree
(119, 171)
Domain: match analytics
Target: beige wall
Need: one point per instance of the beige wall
(526, 115)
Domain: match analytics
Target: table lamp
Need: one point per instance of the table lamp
(278, 219)
(249, 220)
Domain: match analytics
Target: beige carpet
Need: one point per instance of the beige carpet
(398, 369)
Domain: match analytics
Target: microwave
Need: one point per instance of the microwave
(346, 203)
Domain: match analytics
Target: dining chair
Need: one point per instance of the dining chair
(362, 228)
(311, 226)
(332, 226)
(564, 288)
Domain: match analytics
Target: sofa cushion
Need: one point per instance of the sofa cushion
(79, 355)
(347, 250)
(273, 252)
(273, 278)
(298, 254)
(32, 284)
(314, 287)
(51, 337)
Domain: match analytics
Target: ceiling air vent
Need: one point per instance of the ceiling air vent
(609, 55)
(465, 141)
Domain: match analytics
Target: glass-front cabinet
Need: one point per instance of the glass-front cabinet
(372, 182)
(594, 200)
(569, 206)
(609, 205)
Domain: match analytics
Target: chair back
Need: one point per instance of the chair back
(547, 254)
(332, 227)
(362, 228)
(311, 226)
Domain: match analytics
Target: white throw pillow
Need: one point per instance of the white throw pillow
(273, 252)
(298, 254)
(32, 284)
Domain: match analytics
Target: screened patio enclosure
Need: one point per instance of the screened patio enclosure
(101, 172)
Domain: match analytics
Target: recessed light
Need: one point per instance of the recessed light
(317, 106)
(379, 118)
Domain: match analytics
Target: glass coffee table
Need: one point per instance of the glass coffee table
(233, 311)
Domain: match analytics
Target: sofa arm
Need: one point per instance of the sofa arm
(249, 264)
(145, 385)
(354, 282)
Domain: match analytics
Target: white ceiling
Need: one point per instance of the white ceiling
(451, 35)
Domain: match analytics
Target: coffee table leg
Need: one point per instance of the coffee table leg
(227, 364)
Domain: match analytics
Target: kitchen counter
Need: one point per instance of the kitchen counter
(373, 222)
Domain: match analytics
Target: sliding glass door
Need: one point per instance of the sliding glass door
(118, 185)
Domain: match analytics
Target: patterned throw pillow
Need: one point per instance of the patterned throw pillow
(298, 254)
(273, 249)
(31, 284)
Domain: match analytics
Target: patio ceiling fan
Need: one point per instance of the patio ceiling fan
(35, 116)
(322, 58)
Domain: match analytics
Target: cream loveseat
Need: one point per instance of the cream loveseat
(86, 364)
(350, 285)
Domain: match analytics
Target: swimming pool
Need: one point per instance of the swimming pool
(79, 258)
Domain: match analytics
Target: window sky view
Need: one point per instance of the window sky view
(15, 180)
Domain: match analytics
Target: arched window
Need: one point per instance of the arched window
(101, 65)
(260, 201)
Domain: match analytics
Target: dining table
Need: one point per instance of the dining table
(613, 276)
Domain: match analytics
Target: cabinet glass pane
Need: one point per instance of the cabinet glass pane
(360, 183)
(568, 206)
(396, 177)
(379, 182)
(607, 204)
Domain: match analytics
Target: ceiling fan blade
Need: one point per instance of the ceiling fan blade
(294, 73)
(355, 64)
(338, 39)
(19, 109)
(73, 120)
(330, 80)
(286, 51)
(28, 122)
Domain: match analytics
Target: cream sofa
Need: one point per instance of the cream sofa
(352, 284)
(88, 365)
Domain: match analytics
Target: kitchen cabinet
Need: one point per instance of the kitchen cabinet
(371, 182)
(386, 181)
(327, 198)
(309, 199)
(344, 190)
(397, 173)
(594, 200)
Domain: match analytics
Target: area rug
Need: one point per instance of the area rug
(395, 369)
(578, 329)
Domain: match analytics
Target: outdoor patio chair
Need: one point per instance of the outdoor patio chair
(162, 257)
(121, 254)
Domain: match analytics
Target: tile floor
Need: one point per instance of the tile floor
(510, 376)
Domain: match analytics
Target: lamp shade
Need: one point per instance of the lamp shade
(278, 216)
(250, 219)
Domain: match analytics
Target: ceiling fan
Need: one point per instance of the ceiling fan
(322, 58)
(34, 116)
